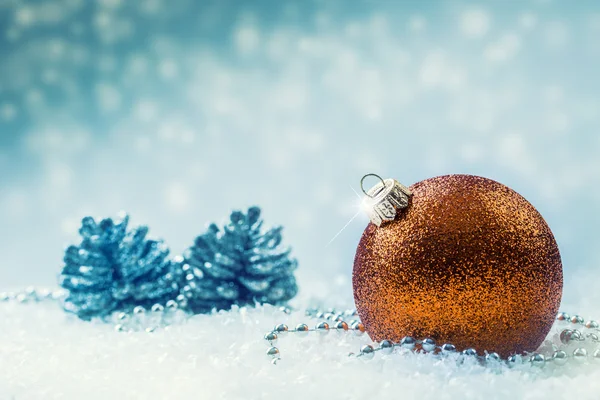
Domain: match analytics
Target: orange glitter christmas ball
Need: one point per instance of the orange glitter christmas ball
(468, 262)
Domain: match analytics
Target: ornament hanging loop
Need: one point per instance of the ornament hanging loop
(362, 187)
(385, 200)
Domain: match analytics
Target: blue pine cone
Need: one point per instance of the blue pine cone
(115, 269)
(239, 265)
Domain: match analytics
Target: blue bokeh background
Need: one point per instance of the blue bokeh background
(180, 110)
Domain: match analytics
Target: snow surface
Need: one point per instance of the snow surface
(46, 354)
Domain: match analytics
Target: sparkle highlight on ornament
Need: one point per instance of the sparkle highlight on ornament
(360, 205)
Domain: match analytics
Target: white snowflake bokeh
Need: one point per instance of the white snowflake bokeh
(179, 111)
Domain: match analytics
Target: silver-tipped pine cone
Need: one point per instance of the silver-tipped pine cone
(241, 264)
(116, 269)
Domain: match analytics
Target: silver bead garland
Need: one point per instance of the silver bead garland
(558, 356)
(32, 295)
(162, 316)
(139, 320)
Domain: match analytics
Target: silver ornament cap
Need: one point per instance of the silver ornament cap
(385, 200)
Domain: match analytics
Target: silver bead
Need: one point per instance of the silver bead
(341, 326)
(322, 328)
(576, 335)
(367, 352)
(537, 360)
(273, 352)
(44, 294)
(319, 314)
(281, 329)
(120, 328)
(565, 336)
(302, 329)
(580, 354)
(386, 347)
(576, 319)
(448, 348)
(271, 337)
(560, 357)
(58, 294)
(157, 308)
(591, 324)
(328, 316)
(4, 296)
(514, 360)
(122, 316)
(31, 293)
(181, 300)
(428, 344)
(139, 310)
(408, 342)
(171, 305)
(597, 355)
(469, 352)
(563, 317)
(150, 329)
(492, 358)
(593, 337)
(358, 328)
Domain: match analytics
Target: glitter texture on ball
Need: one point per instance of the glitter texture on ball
(469, 262)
